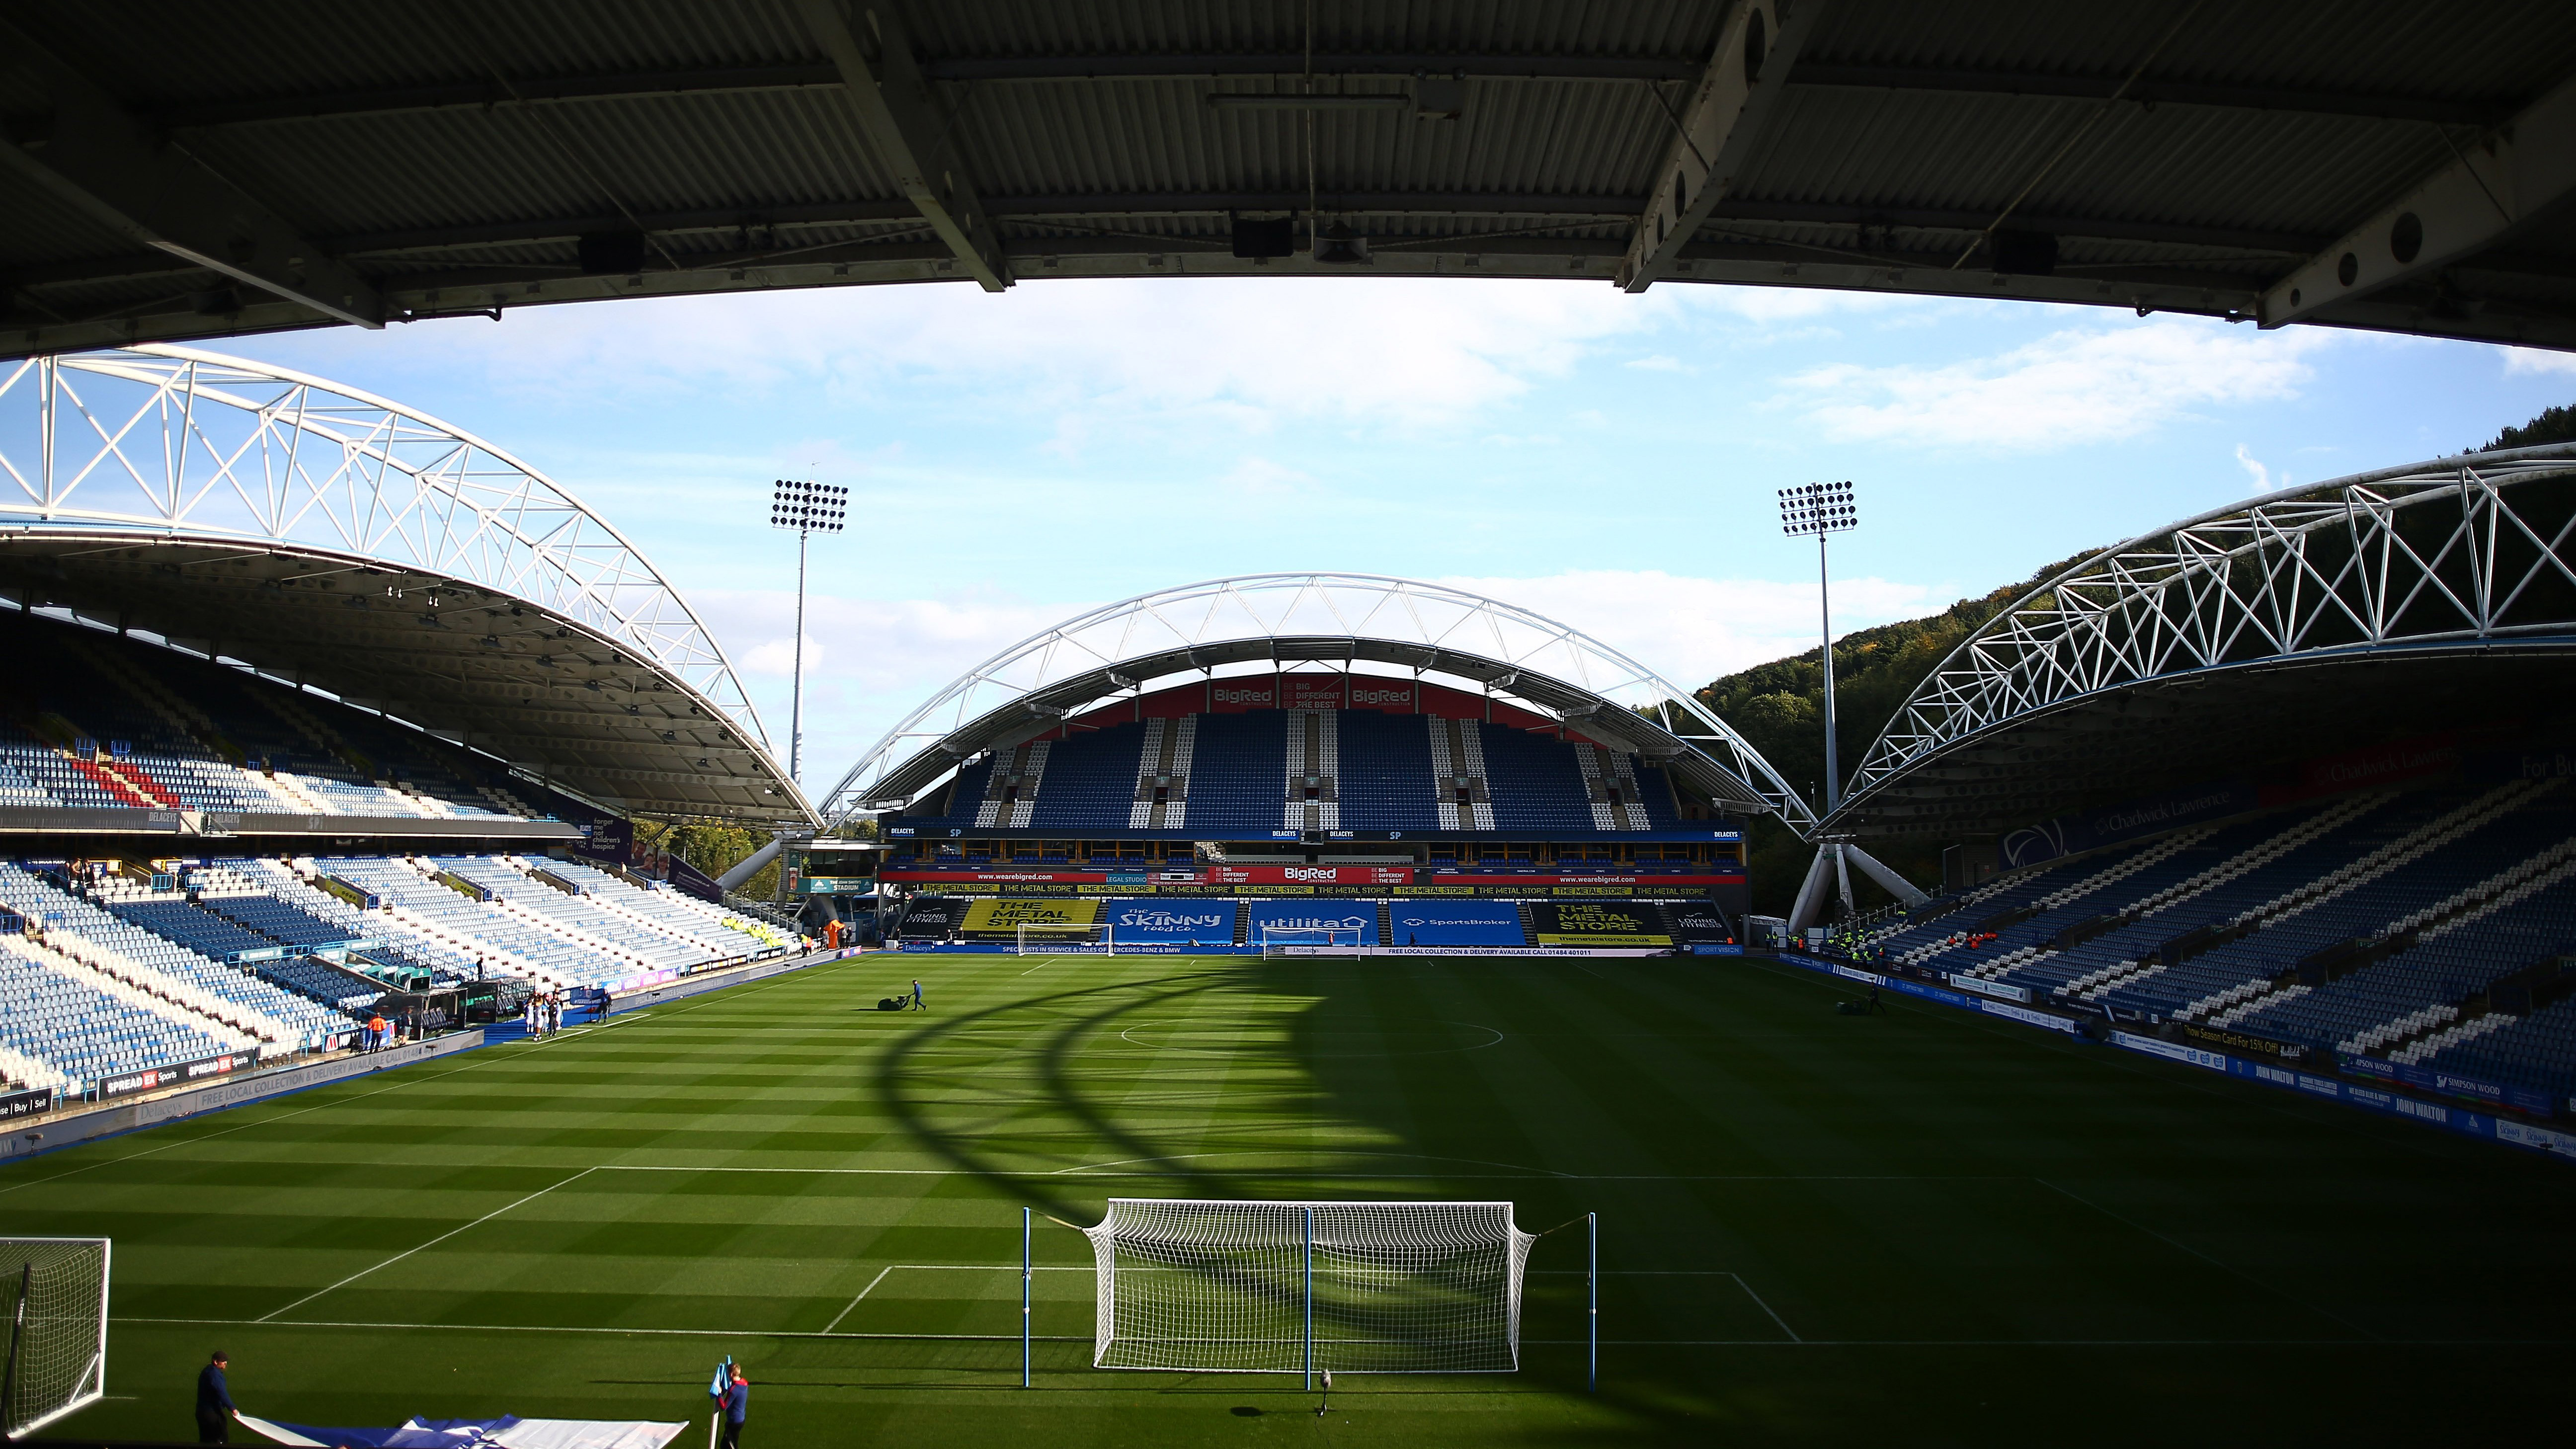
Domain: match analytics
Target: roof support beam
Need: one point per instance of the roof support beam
(909, 128)
(108, 163)
(2494, 186)
(1718, 122)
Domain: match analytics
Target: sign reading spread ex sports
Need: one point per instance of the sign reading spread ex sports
(1011, 915)
(1584, 923)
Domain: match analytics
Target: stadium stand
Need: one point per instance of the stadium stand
(109, 723)
(2428, 926)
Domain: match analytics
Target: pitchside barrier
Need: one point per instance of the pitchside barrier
(2492, 1126)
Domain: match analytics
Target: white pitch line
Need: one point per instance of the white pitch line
(432, 1243)
(1765, 1307)
(1554, 1342)
(853, 1303)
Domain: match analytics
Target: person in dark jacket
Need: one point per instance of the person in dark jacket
(214, 1402)
(737, 1407)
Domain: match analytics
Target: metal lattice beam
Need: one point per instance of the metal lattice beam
(183, 445)
(1123, 649)
(2472, 551)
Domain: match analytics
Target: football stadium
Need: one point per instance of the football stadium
(1319, 1003)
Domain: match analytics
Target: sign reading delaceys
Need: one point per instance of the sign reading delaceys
(176, 1076)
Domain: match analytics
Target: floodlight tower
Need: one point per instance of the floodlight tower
(1823, 509)
(808, 508)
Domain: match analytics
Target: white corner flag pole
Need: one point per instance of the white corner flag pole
(1592, 1289)
(1024, 1298)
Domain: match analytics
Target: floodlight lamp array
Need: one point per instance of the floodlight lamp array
(1818, 508)
(809, 507)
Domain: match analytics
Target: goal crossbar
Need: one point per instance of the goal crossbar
(1217, 1286)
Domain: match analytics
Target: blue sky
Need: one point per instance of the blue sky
(1606, 459)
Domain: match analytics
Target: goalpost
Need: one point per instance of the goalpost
(1304, 1287)
(1276, 939)
(1055, 935)
(55, 1296)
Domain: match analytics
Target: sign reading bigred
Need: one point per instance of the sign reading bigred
(1308, 875)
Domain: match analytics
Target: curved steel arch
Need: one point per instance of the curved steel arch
(191, 444)
(1104, 652)
(2472, 551)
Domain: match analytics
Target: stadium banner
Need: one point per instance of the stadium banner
(1552, 878)
(1715, 948)
(2223, 1040)
(203, 1068)
(1551, 952)
(1376, 875)
(1588, 923)
(2171, 1051)
(2487, 1125)
(14, 1105)
(997, 877)
(1243, 694)
(1456, 923)
(1997, 989)
(1140, 923)
(932, 916)
(2028, 1017)
(1009, 915)
(2070, 834)
(1279, 916)
(1697, 924)
(2448, 1084)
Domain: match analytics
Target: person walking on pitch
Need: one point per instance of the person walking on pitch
(214, 1402)
(916, 994)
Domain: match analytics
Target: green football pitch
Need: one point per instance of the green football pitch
(1917, 1227)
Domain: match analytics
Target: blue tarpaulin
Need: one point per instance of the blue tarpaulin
(506, 1432)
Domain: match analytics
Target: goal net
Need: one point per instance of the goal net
(1276, 939)
(1280, 1287)
(53, 1293)
(1040, 937)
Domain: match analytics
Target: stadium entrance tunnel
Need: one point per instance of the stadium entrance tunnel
(2433, 604)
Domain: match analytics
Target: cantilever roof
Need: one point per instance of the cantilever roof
(178, 172)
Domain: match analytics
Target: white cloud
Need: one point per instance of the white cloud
(2262, 476)
(2536, 360)
(1692, 630)
(1660, 362)
(1244, 352)
(2070, 387)
(1261, 478)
